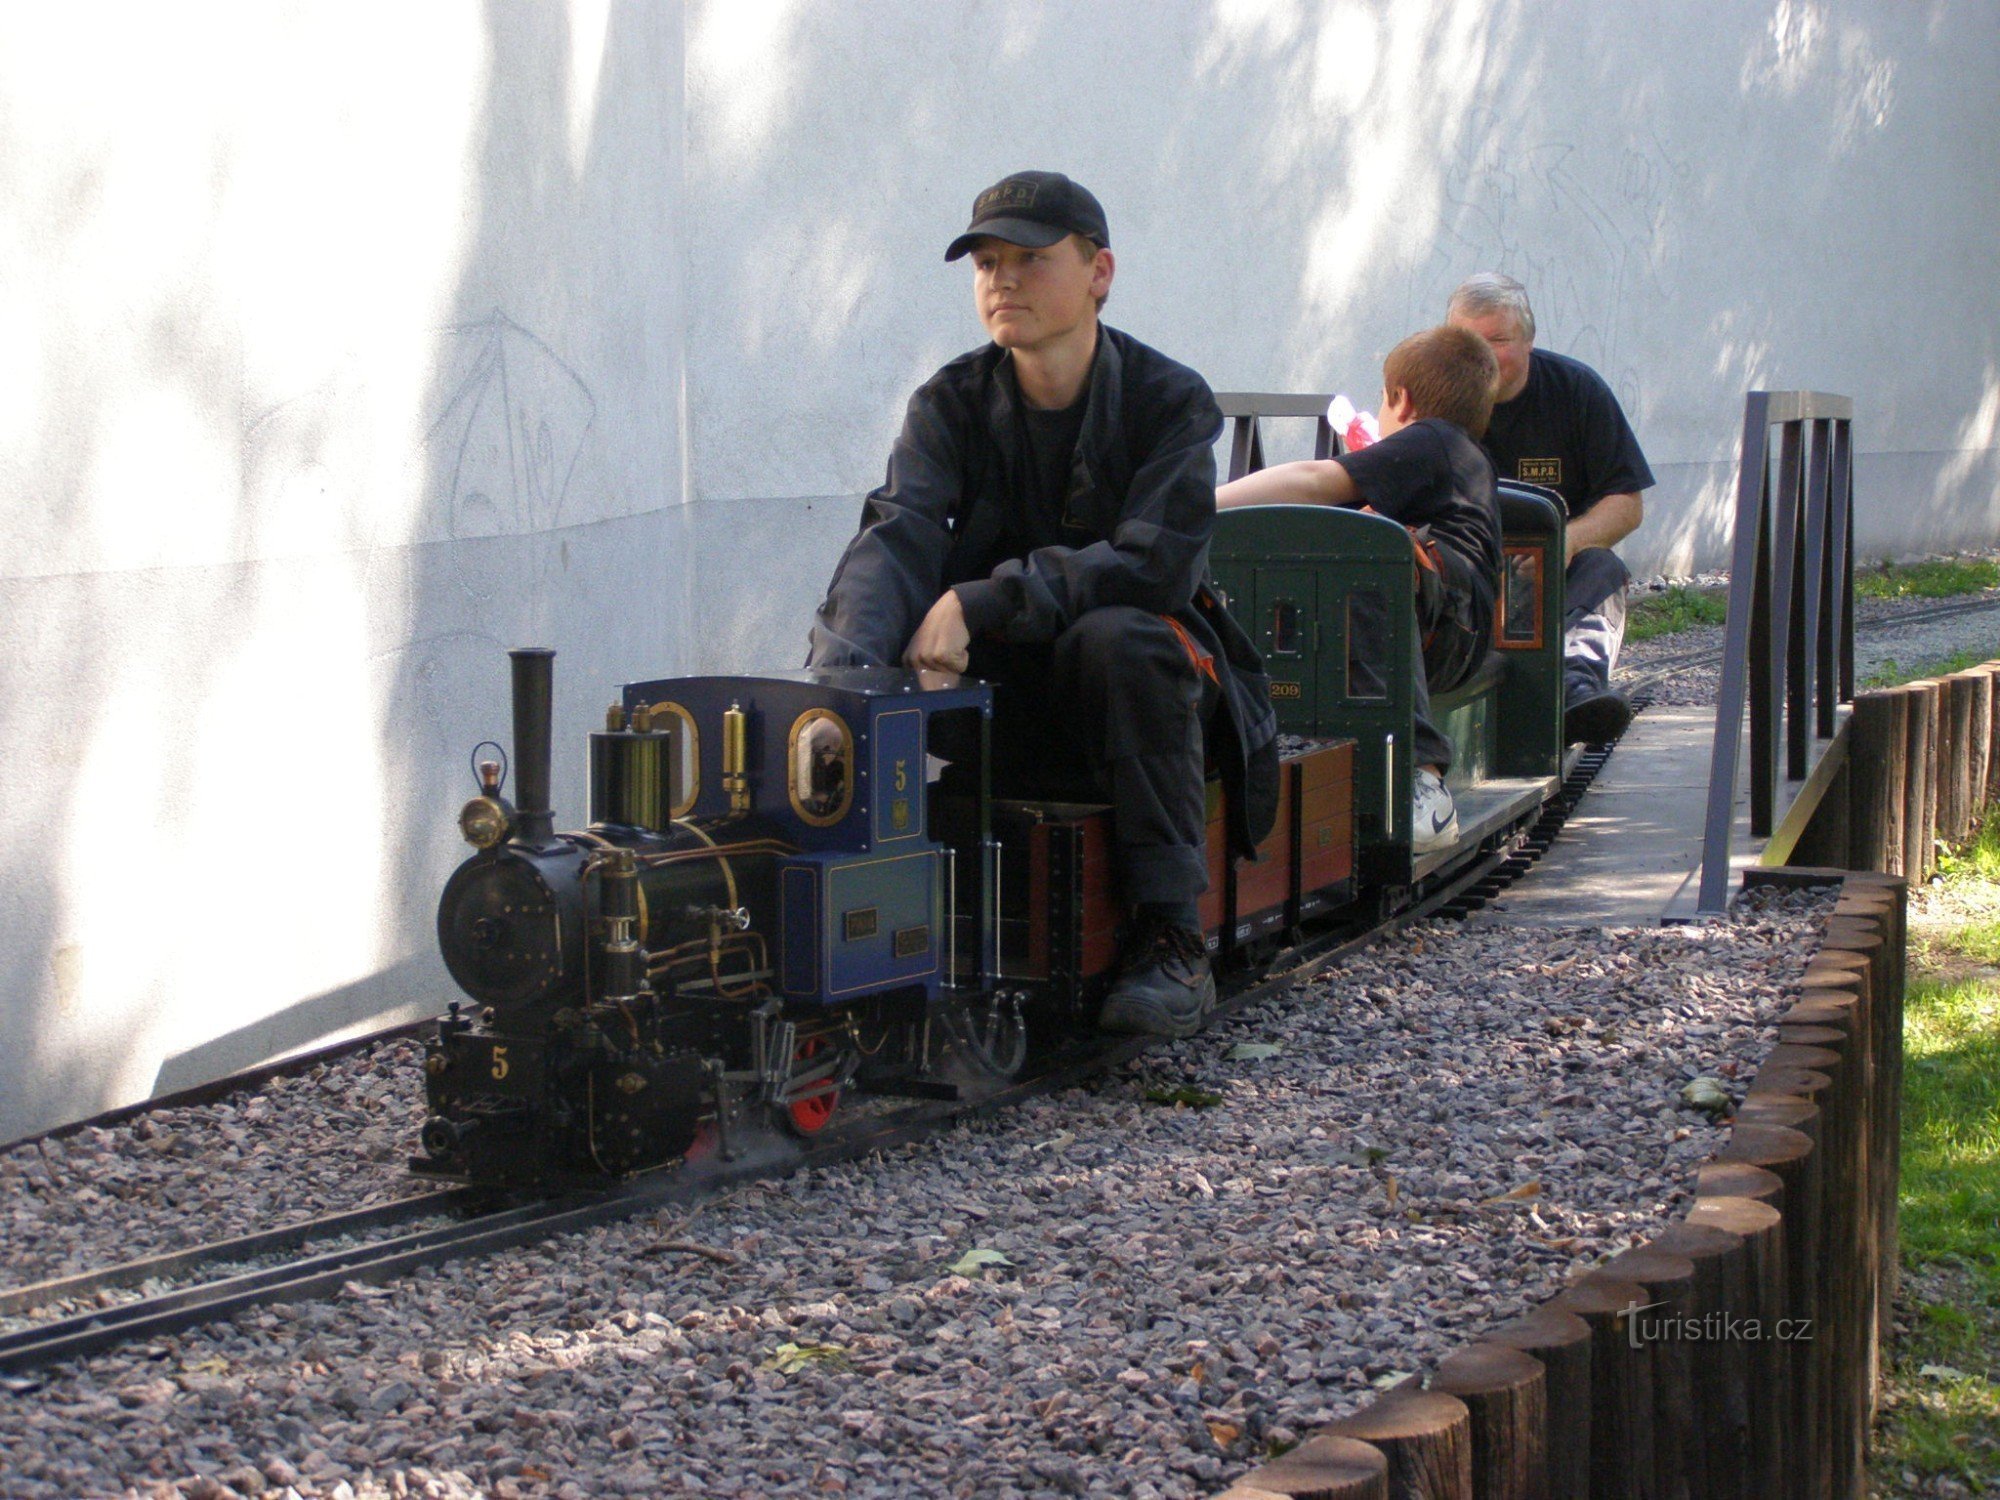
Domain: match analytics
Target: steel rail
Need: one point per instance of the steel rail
(170, 1265)
(1658, 666)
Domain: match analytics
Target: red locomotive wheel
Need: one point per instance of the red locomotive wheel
(808, 1116)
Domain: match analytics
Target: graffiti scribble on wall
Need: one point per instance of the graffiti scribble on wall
(511, 431)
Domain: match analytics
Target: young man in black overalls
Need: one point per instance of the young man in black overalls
(1045, 525)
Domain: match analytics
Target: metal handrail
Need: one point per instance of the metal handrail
(1788, 642)
(1247, 409)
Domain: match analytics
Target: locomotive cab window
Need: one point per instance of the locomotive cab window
(678, 722)
(821, 758)
(1520, 616)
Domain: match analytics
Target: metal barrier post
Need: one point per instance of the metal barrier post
(1788, 643)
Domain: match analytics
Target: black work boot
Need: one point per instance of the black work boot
(1594, 712)
(1163, 987)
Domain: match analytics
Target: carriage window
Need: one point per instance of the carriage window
(1284, 628)
(1367, 644)
(1520, 622)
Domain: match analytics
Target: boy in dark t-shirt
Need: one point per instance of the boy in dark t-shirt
(1429, 473)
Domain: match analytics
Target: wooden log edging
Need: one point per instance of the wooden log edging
(1923, 763)
(1737, 1353)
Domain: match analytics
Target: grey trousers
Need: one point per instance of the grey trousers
(1593, 621)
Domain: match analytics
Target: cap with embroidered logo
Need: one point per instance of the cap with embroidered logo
(1033, 209)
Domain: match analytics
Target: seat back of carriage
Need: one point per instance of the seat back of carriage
(1292, 575)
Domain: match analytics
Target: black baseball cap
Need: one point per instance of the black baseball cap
(1033, 209)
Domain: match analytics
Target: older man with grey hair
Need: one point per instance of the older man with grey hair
(1556, 424)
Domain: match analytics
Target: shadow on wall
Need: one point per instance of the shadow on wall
(535, 500)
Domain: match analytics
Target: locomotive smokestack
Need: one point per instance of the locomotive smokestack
(534, 678)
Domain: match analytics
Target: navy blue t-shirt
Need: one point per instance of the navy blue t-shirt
(1566, 432)
(1431, 474)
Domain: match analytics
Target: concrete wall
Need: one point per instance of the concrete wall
(341, 348)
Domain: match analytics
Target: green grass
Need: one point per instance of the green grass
(1681, 608)
(1893, 673)
(1676, 610)
(1939, 578)
(1942, 1398)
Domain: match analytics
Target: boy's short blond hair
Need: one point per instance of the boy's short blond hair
(1449, 373)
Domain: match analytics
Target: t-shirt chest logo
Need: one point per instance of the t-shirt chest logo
(1547, 471)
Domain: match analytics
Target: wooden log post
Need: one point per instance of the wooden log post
(1920, 783)
(1427, 1438)
(1505, 1391)
(1321, 1468)
(1848, 1274)
(1979, 750)
(1875, 752)
(1864, 945)
(1960, 698)
(1738, 1179)
(1947, 756)
(1760, 1228)
(1718, 1358)
(1561, 1342)
(1993, 740)
(1621, 1388)
(1668, 1281)
(1791, 1098)
(1878, 941)
(1789, 1152)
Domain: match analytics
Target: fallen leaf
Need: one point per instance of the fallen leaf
(1707, 1095)
(1187, 1094)
(1254, 1051)
(1521, 1194)
(1389, 1187)
(789, 1359)
(1388, 1378)
(1223, 1432)
(974, 1261)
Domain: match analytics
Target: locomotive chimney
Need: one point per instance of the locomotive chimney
(534, 677)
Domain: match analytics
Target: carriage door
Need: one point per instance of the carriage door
(1284, 624)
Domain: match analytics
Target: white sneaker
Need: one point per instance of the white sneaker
(1433, 815)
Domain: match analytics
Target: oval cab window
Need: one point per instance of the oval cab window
(822, 767)
(678, 722)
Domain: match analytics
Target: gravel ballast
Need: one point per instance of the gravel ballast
(1454, 1123)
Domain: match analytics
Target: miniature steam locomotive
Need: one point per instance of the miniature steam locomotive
(799, 886)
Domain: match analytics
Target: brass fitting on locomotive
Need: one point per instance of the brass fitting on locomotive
(618, 906)
(736, 757)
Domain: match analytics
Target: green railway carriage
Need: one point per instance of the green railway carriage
(1293, 574)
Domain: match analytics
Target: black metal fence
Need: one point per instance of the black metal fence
(1789, 639)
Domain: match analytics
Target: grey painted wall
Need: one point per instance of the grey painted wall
(339, 351)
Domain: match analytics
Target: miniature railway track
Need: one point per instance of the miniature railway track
(235, 1283)
(1659, 666)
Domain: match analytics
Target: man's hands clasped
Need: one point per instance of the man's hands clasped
(942, 642)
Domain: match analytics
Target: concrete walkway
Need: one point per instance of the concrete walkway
(1630, 855)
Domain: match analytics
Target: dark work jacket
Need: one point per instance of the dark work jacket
(957, 511)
